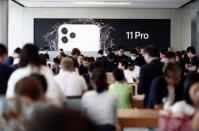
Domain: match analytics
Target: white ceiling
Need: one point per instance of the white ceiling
(105, 3)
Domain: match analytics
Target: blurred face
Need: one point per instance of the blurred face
(172, 80)
(142, 51)
(121, 52)
(194, 94)
(133, 56)
(86, 64)
(45, 51)
(162, 55)
(146, 58)
(189, 54)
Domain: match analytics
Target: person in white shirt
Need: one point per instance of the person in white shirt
(191, 95)
(99, 104)
(30, 64)
(70, 82)
(132, 73)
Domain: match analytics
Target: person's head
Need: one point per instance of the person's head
(191, 90)
(75, 52)
(92, 59)
(80, 59)
(29, 87)
(29, 55)
(45, 50)
(121, 51)
(100, 52)
(111, 57)
(61, 50)
(172, 73)
(142, 51)
(67, 64)
(42, 81)
(109, 50)
(56, 61)
(150, 52)
(191, 51)
(53, 118)
(178, 57)
(118, 75)
(86, 62)
(131, 65)
(99, 80)
(17, 52)
(134, 54)
(163, 53)
(3, 53)
(170, 56)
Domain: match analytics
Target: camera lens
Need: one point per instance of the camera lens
(72, 35)
(64, 39)
(64, 30)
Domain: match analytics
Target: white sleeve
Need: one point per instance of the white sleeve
(84, 85)
(11, 86)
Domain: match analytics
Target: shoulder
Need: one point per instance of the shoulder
(88, 94)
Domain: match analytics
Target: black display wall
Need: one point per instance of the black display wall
(129, 33)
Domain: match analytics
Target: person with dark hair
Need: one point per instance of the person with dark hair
(15, 58)
(166, 86)
(121, 57)
(53, 118)
(169, 57)
(138, 59)
(30, 64)
(101, 56)
(191, 97)
(163, 54)
(99, 104)
(194, 60)
(42, 81)
(70, 82)
(110, 63)
(30, 88)
(132, 72)
(149, 72)
(83, 68)
(45, 52)
(121, 89)
(4, 69)
(56, 66)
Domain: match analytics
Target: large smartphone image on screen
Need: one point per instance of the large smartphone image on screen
(86, 37)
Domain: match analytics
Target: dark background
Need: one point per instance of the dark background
(158, 30)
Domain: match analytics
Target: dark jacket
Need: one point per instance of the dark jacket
(147, 74)
(159, 90)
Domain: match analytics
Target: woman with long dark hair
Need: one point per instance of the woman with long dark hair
(30, 63)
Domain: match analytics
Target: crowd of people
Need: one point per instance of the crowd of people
(35, 90)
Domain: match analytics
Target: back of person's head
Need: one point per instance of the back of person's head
(17, 50)
(3, 50)
(30, 88)
(188, 83)
(29, 55)
(152, 51)
(172, 70)
(52, 118)
(42, 81)
(67, 64)
(99, 79)
(118, 75)
(191, 50)
(75, 52)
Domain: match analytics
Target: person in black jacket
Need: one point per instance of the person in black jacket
(4, 69)
(149, 71)
(169, 85)
(110, 63)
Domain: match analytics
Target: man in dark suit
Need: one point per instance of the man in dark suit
(150, 71)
